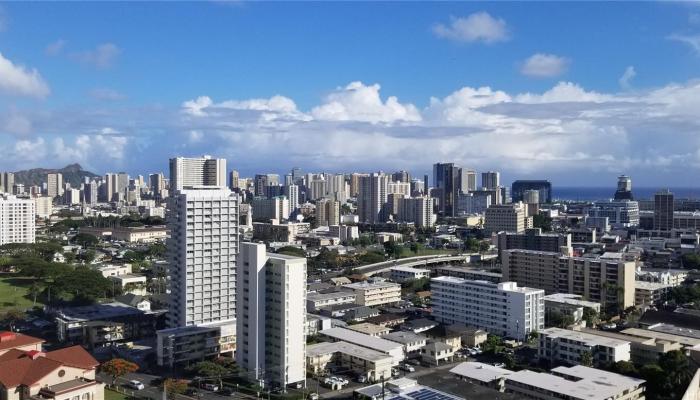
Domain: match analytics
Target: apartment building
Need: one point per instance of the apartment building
(650, 293)
(534, 239)
(271, 298)
(507, 218)
(274, 232)
(568, 304)
(564, 346)
(190, 344)
(315, 301)
(327, 212)
(502, 309)
(375, 294)
(54, 185)
(392, 349)
(193, 172)
(276, 208)
(372, 206)
(418, 210)
(404, 274)
(372, 364)
(17, 220)
(606, 281)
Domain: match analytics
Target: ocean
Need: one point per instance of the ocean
(604, 193)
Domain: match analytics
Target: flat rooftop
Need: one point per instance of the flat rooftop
(324, 348)
(98, 311)
(368, 285)
(581, 382)
(410, 269)
(583, 337)
(572, 299)
(361, 339)
(368, 328)
(650, 285)
(479, 371)
(313, 296)
(404, 337)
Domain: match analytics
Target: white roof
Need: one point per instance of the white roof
(367, 285)
(410, 269)
(479, 371)
(361, 339)
(572, 299)
(590, 383)
(588, 338)
(320, 349)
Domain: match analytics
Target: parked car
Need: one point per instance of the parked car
(407, 368)
(313, 396)
(361, 379)
(342, 380)
(296, 385)
(210, 387)
(136, 385)
(499, 365)
(414, 361)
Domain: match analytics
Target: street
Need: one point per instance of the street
(156, 393)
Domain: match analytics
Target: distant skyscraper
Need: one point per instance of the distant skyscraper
(490, 179)
(7, 182)
(624, 188)
(297, 175)
(327, 212)
(262, 181)
(54, 185)
(544, 188)
(271, 298)
(401, 176)
(372, 198)
(470, 177)
(90, 193)
(447, 182)
(663, 210)
(157, 184)
(292, 193)
(192, 172)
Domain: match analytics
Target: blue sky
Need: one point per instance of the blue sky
(531, 89)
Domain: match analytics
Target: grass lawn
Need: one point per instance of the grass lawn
(113, 395)
(13, 292)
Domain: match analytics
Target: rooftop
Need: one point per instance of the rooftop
(320, 349)
(580, 382)
(479, 371)
(10, 340)
(585, 337)
(370, 329)
(328, 296)
(361, 339)
(667, 333)
(368, 285)
(410, 269)
(572, 299)
(404, 337)
(98, 311)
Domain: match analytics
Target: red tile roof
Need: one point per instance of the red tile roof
(29, 367)
(10, 340)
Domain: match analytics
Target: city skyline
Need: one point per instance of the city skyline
(486, 86)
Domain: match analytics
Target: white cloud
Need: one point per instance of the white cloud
(542, 65)
(55, 48)
(19, 80)
(103, 56)
(477, 27)
(691, 40)
(558, 133)
(362, 103)
(626, 78)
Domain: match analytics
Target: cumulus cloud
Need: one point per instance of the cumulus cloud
(543, 65)
(103, 56)
(561, 132)
(362, 103)
(477, 27)
(19, 80)
(626, 78)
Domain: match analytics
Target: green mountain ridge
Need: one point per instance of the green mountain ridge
(73, 173)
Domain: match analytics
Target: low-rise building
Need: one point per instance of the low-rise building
(187, 345)
(650, 293)
(285, 233)
(374, 294)
(468, 273)
(568, 304)
(370, 329)
(131, 283)
(372, 364)
(67, 373)
(404, 389)
(141, 234)
(316, 323)
(395, 350)
(315, 301)
(109, 270)
(405, 274)
(570, 347)
(642, 350)
(436, 353)
(412, 343)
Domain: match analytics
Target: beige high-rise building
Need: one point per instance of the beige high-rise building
(355, 184)
(418, 210)
(507, 217)
(372, 198)
(7, 182)
(276, 208)
(54, 185)
(606, 281)
(327, 212)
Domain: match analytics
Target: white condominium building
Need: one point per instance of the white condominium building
(502, 309)
(54, 185)
(567, 346)
(507, 217)
(271, 322)
(17, 220)
(191, 172)
(43, 206)
(202, 251)
(374, 294)
(276, 208)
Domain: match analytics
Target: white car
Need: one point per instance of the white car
(210, 387)
(136, 385)
(408, 368)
